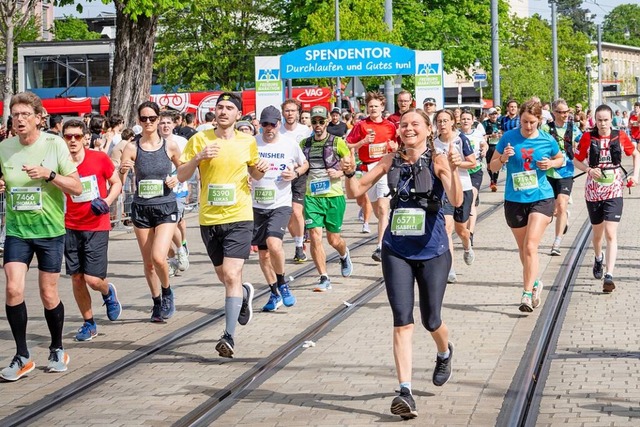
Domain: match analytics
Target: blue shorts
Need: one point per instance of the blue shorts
(48, 251)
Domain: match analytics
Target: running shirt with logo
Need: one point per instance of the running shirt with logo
(476, 138)
(464, 149)
(611, 185)
(152, 169)
(272, 191)
(319, 184)
(525, 182)
(567, 169)
(95, 171)
(35, 208)
(299, 132)
(224, 187)
(385, 131)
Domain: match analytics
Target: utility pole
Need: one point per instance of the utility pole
(554, 44)
(388, 84)
(495, 53)
(338, 86)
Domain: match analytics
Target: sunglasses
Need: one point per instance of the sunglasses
(266, 124)
(144, 119)
(73, 136)
(318, 122)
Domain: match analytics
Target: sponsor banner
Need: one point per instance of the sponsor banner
(269, 87)
(429, 77)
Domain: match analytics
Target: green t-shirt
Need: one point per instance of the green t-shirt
(318, 182)
(35, 208)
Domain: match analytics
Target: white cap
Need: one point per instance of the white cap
(137, 129)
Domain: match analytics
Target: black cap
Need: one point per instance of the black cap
(429, 101)
(270, 115)
(336, 110)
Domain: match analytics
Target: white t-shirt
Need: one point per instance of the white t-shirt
(299, 133)
(465, 179)
(272, 191)
(204, 126)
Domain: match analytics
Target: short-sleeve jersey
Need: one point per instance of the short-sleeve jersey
(384, 131)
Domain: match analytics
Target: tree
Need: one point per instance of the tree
(581, 19)
(625, 17)
(71, 28)
(13, 14)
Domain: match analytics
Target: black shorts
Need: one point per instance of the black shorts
(48, 252)
(517, 214)
(151, 216)
(561, 186)
(460, 214)
(476, 179)
(269, 223)
(605, 210)
(86, 252)
(231, 240)
(298, 189)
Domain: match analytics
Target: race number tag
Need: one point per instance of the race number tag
(320, 186)
(89, 190)
(526, 180)
(26, 198)
(493, 141)
(408, 222)
(221, 194)
(377, 150)
(264, 195)
(607, 179)
(148, 188)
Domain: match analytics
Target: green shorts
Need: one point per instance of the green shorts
(327, 212)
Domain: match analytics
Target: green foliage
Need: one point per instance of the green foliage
(581, 19)
(622, 18)
(25, 33)
(134, 8)
(71, 28)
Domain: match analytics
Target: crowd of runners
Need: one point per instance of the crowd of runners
(419, 171)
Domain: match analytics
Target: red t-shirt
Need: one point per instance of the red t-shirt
(385, 131)
(634, 129)
(95, 170)
(395, 119)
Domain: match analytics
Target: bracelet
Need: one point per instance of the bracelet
(500, 158)
(121, 172)
(349, 175)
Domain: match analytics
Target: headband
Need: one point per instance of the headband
(232, 99)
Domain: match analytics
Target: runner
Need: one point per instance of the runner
(418, 179)
(36, 171)
(88, 224)
(225, 157)
(154, 211)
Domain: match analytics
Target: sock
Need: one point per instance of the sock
(557, 240)
(298, 241)
(274, 288)
(280, 278)
(17, 317)
(90, 321)
(55, 322)
(324, 276)
(527, 293)
(407, 385)
(346, 254)
(166, 291)
(184, 243)
(232, 306)
(600, 258)
(444, 355)
(157, 300)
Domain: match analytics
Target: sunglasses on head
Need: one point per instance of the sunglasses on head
(73, 136)
(318, 122)
(144, 119)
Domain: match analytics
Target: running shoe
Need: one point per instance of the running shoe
(225, 346)
(442, 371)
(536, 293)
(452, 278)
(365, 228)
(404, 405)
(18, 368)
(156, 314)
(526, 305)
(173, 267)
(183, 259)
(246, 311)
(114, 308)
(493, 187)
(377, 255)
(58, 360)
(346, 267)
(597, 267)
(168, 306)
(275, 301)
(608, 286)
(469, 256)
(361, 215)
(555, 250)
(87, 332)
(287, 297)
(300, 256)
(324, 284)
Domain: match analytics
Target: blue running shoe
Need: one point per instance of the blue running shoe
(345, 265)
(156, 314)
(168, 306)
(274, 302)
(87, 332)
(114, 308)
(287, 297)
(324, 284)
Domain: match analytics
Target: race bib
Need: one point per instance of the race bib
(377, 150)
(493, 141)
(524, 180)
(320, 186)
(264, 195)
(221, 194)
(26, 198)
(607, 179)
(148, 188)
(89, 190)
(408, 222)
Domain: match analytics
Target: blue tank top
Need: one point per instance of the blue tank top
(434, 242)
(152, 167)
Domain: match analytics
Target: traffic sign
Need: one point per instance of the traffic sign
(478, 77)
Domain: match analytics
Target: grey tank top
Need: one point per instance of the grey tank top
(152, 168)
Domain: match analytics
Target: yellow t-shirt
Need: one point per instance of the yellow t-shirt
(224, 186)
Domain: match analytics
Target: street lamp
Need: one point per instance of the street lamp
(587, 60)
(615, 76)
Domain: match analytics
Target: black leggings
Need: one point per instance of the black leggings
(401, 274)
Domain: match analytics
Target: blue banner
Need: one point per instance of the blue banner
(347, 58)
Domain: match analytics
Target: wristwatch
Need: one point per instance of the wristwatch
(52, 176)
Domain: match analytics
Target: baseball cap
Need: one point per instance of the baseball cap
(336, 110)
(319, 111)
(270, 115)
(493, 111)
(429, 101)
